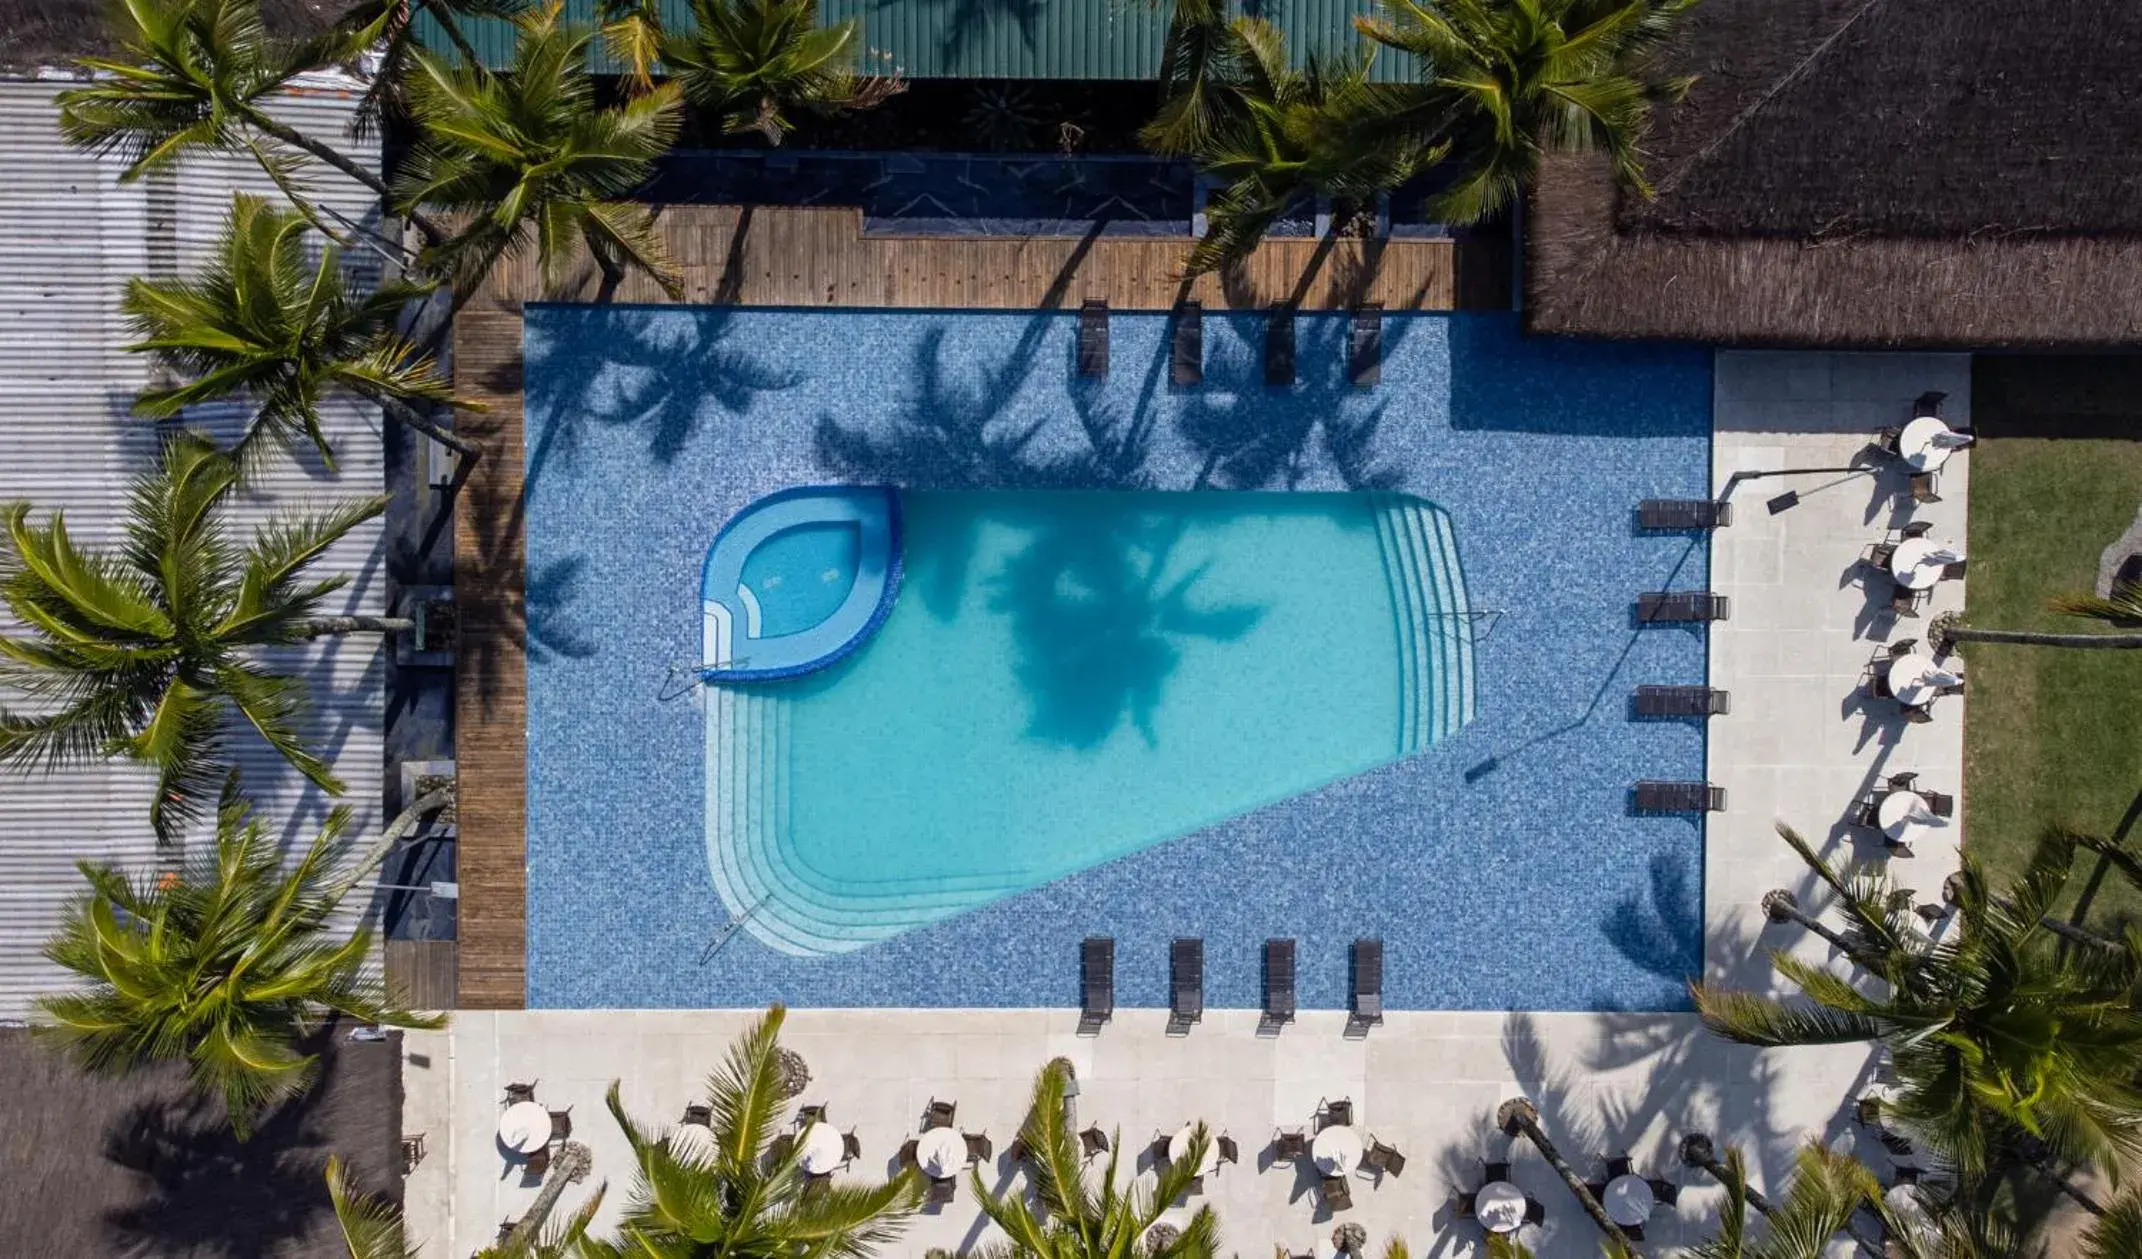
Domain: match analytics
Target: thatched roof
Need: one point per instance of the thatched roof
(138, 1166)
(36, 34)
(1901, 172)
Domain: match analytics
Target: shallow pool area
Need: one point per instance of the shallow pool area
(1229, 660)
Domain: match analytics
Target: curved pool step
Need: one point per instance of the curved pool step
(1434, 615)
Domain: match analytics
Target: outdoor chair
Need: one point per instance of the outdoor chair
(1918, 714)
(1878, 555)
(412, 1152)
(1915, 529)
(1186, 347)
(1664, 1193)
(1634, 1232)
(521, 1092)
(561, 1124)
(1384, 1158)
(1093, 339)
(979, 1147)
(1289, 1145)
(851, 1146)
(1535, 1211)
(1677, 797)
(1663, 607)
(1279, 345)
(1904, 601)
(1364, 346)
(1617, 1166)
(1017, 1150)
(538, 1163)
(1157, 1148)
(1367, 968)
(942, 1192)
(698, 1114)
(1495, 1171)
(1682, 701)
(1186, 983)
(1338, 1195)
(1464, 1204)
(1867, 810)
(1903, 781)
(939, 1114)
(1929, 404)
(783, 1146)
(907, 1153)
(1876, 678)
(1097, 982)
(1908, 1174)
(806, 1115)
(1922, 487)
(1596, 1188)
(1679, 515)
(1338, 1114)
(1093, 1141)
(1279, 999)
(815, 1183)
(1940, 805)
(1886, 444)
(1229, 1151)
(1954, 572)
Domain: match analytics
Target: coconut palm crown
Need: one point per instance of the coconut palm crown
(734, 1198)
(148, 651)
(263, 324)
(1997, 1030)
(527, 158)
(758, 63)
(1098, 1221)
(1506, 81)
(226, 965)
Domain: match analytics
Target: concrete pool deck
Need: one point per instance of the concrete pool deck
(1797, 748)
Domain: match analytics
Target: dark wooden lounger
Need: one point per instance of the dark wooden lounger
(1367, 971)
(1683, 513)
(1681, 701)
(1186, 983)
(1678, 797)
(1097, 982)
(1364, 345)
(1279, 346)
(1186, 350)
(1279, 1000)
(1661, 606)
(1093, 339)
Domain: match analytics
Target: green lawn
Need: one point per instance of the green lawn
(2051, 736)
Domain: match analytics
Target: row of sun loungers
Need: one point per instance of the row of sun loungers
(1186, 344)
(1186, 984)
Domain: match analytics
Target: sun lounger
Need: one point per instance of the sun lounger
(1279, 346)
(1278, 983)
(1367, 985)
(1186, 351)
(1186, 983)
(1681, 514)
(1093, 339)
(1678, 797)
(1681, 701)
(1661, 606)
(1364, 346)
(1097, 982)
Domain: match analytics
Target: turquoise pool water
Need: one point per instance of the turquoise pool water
(1066, 678)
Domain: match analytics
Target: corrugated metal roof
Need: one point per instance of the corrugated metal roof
(70, 235)
(1007, 39)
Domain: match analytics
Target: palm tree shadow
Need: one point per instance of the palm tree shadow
(1252, 436)
(1656, 932)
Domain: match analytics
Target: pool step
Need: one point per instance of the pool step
(1435, 633)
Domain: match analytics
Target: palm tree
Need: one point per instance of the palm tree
(225, 965)
(528, 157)
(197, 75)
(2000, 1036)
(386, 30)
(2123, 609)
(1505, 81)
(756, 63)
(1826, 1191)
(632, 31)
(2117, 1233)
(146, 652)
(259, 322)
(1078, 1221)
(373, 1228)
(1518, 1117)
(735, 1199)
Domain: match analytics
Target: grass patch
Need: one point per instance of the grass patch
(2051, 736)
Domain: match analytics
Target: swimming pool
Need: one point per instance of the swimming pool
(1073, 676)
(1498, 860)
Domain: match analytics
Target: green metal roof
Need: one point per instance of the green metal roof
(1005, 39)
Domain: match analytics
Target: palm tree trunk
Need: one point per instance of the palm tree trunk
(1519, 1116)
(409, 417)
(445, 18)
(1697, 1151)
(327, 626)
(2031, 638)
(404, 822)
(1783, 906)
(299, 140)
(571, 1165)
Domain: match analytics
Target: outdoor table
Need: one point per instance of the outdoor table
(1628, 1200)
(1916, 444)
(822, 1149)
(1179, 1148)
(1337, 1149)
(691, 1141)
(1894, 813)
(1500, 1207)
(941, 1151)
(1906, 679)
(524, 1127)
(1909, 565)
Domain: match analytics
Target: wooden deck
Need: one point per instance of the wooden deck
(799, 257)
(420, 974)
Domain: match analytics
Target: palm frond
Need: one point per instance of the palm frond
(1755, 1020)
(371, 1227)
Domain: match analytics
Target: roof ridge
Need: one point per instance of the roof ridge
(1769, 94)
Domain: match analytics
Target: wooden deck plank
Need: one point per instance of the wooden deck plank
(787, 256)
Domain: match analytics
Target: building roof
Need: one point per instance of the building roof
(1007, 39)
(42, 33)
(141, 1165)
(1869, 172)
(70, 236)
